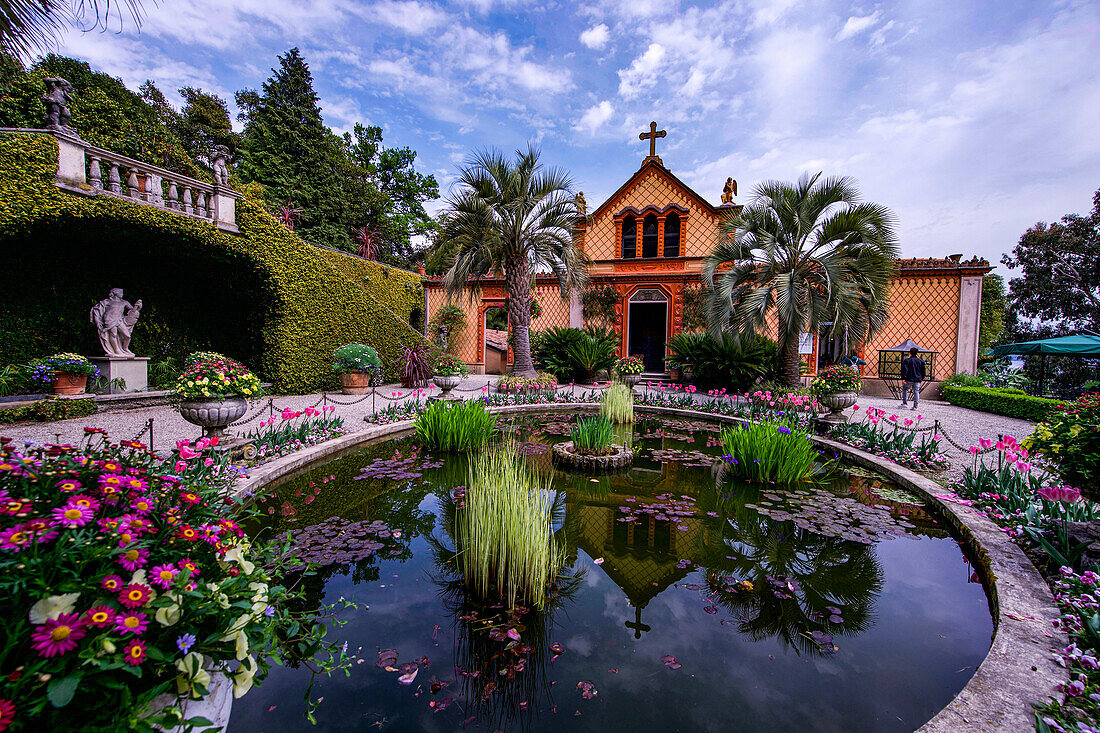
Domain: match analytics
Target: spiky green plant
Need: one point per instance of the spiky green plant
(770, 452)
(592, 436)
(505, 532)
(617, 404)
(455, 426)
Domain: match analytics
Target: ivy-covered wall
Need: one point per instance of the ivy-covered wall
(264, 297)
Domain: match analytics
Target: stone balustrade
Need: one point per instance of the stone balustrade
(87, 170)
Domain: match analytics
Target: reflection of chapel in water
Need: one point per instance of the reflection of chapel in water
(641, 556)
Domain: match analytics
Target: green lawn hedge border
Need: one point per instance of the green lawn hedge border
(1000, 402)
(292, 304)
(49, 410)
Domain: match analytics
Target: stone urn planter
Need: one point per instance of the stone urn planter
(447, 383)
(215, 414)
(565, 455)
(837, 402)
(355, 382)
(630, 379)
(66, 383)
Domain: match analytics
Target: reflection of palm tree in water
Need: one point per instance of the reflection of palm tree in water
(824, 572)
(502, 681)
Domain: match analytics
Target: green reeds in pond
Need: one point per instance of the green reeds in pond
(505, 532)
(617, 404)
(770, 452)
(592, 436)
(455, 426)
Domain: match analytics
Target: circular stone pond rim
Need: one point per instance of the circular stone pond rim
(1020, 667)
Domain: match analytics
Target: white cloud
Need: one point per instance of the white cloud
(595, 117)
(641, 74)
(857, 24)
(411, 16)
(596, 37)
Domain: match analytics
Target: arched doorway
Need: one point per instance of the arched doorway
(647, 328)
(496, 340)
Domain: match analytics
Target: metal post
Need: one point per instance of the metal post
(151, 436)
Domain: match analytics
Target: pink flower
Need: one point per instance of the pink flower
(187, 454)
(180, 466)
(908, 422)
(973, 449)
(164, 575)
(133, 558)
(893, 418)
(131, 622)
(1067, 494)
(208, 462)
(986, 443)
(1023, 467)
(135, 595)
(58, 636)
(855, 407)
(180, 444)
(72, 515)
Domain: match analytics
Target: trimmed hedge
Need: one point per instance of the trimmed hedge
(263, 297)
(49, 410)
(1001, 402)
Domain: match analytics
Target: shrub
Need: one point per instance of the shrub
(1069, 439)
(356, 358)
(964, 380)
(592, 436)
(212, 376)
(450, 366)
(416, 364)
(456, 426)
(770, 452)
(49, 410)
(617, 404)
(836, 378)
(1024, 407)
(598, 304)
(123, 582)
(594, 352)
(552, 351)
(506, 547)
(734, 362)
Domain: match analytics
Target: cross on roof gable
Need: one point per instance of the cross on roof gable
(654, 165)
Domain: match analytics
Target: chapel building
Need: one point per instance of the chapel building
(648, 242)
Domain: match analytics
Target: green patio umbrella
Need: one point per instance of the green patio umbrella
(1085, 345)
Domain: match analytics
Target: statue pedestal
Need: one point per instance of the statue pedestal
(134, 370)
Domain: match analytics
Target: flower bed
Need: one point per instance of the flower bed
(208, 375)
(126, 579)
(511, 384)
(295, 430)
(894, 438)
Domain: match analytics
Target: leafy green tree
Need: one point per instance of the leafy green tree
(1060, 264)
(992, 324)
(514, 217)
(204, 124)
(811, 253)
(287, 148)
(104, 111)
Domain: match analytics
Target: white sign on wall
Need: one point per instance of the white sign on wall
(805, 343)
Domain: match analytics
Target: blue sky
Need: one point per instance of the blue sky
(971, 120)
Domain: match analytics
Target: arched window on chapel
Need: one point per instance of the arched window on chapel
(672, 235)
(649, 236)
(630, 237)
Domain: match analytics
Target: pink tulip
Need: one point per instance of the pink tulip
(1067, 494)
(180, 466)
(855, 407)
(1010, 457)
(973, 449)
(986, 443)
(1023, 452)
(181, 443)
(1023, 467)
(186, 453)
(208, 462)
(908, 422)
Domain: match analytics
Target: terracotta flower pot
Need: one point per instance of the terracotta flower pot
(355, 382)
(66, 383)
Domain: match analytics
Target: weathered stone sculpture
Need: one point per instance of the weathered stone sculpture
(57, 98)
(729, 191)
(114, 319)
(582, 205)
(221, 165)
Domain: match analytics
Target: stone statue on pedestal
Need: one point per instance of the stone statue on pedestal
(114, 319)
(729, 191)
(57, 98)
(221, 166)
(582, 205)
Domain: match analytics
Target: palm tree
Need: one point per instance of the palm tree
(814, 254)
(27, 26)
(514, 217)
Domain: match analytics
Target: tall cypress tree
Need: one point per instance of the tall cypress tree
(287, 148)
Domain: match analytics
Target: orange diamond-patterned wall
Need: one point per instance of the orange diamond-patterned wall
(925, 309)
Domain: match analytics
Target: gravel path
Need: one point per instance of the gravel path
(963, 425)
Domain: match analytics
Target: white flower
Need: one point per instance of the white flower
(48, 609)
(169, 615)
(193, 674)
(242, 680)
(235, 633)
(237, 555)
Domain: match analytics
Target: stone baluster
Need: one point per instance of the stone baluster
(154, 193)
(95, 175)
(173, 196)
(132, 184)
(185, 206)
(201, 206)
(113, 180)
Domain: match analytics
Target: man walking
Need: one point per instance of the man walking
(912, 374)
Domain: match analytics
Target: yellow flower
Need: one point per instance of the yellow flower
(242, 680)
(192, 675)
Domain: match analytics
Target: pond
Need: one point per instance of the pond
(689, 602)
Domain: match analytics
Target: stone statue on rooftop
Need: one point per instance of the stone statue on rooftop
(729, 191)
(582, 205)
(221, 165)
(57, 99)
(114, 319)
